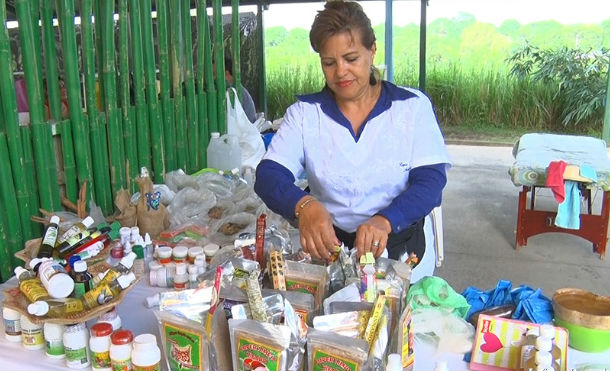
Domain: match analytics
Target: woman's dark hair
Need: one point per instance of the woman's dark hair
(341, 16)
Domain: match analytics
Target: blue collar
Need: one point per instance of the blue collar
(389, 94)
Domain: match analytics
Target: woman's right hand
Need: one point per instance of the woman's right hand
(316, 229)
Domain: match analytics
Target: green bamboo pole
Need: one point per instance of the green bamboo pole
(129, 124)
(11, 207)
(262, 89)
(45, 163)
(236, 46)
(35, 17)
(209, 78)
(97, 16)
(202, 104)
(176, 68)
(46, 14)
(221, 84)
(80, 129)
(9, 108)
(97, 132)
(143, 129)
(169, 130)
(156, 126)
(189, 83)
(5, 269)
(30, 176)
(115, 130)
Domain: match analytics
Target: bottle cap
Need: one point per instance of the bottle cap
(139, 251)
(19, 270)
(147, 240)
(215, 134)
(195, 251)
(210, 249)
(135, 231)
(73, 259)
(548, 331)
(34, 262)
(127, 261)
(394, 362)
(126, 280)
(180, 251)
(88, 222)
(152, 301)
(543, 358)
(80, 266)
(54, 219)
(38, 308)
(60, 286)
(121, 337)
(101, 329)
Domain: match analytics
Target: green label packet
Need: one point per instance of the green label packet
(183, 348)
(323, 361)
(55, 347)
(252, 355)
(301, 286)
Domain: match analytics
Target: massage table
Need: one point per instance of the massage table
(533, 153)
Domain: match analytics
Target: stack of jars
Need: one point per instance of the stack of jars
(177, 267)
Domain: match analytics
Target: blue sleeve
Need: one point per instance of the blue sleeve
(424, 193)
(275, 186)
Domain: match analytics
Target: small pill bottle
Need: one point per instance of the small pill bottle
(179, 254)
(99, 345)
(146, 355)
(181, 278)
(54, 340)
(76, 344)
(164, 254)
(120, 350)
(194, 252)
(210, 251)
(31, 334)
(12, 324)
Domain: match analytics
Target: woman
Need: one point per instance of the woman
(373, 153)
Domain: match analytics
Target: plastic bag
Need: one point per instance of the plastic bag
(191, 206)
(435, 292)
(250, 140)
(444, 330)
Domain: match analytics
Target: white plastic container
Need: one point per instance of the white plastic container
(12, 324)
(224, 152)
(181, 278)
(210, 251)
(179, 254)
(146, 355)
(31, 334)
(164, 254)
(55, 279)
(54, 340)
(193, 252)
(99, 345)
(120, 350)
(201, 264)
(76, 344)
(111, 317)
(125, 233)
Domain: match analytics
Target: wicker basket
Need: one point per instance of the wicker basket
(31, 250)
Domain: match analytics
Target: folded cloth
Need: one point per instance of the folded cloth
(568, 212)
(554, 179)
(588, 172)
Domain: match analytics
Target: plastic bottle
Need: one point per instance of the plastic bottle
(47, 247)
(134, 235)
(55, 279)
(31, 334)
(200, 263)
(112, 317)
(76, 343)
(106, 291)
(120, 350)
(101, 236)
(148, 249)
(30, 285)
(164, 254)
(125, 234)
(529, 345)
(56, 308)
(82, 278)
(139, 266)
(76, 232)
(179, 254)
(181, 278)
(210, 251)
(12, 324)
(99, 346)
(146, 355)
(193, 252)
(548, 331)
(233, 153)
(54, 342)
(214, 151)
(123, 267)
(193, 272)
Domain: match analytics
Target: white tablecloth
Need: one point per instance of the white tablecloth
(139, 319)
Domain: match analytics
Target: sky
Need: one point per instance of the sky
(491, 11)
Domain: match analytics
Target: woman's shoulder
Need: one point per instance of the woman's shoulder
(398, 92)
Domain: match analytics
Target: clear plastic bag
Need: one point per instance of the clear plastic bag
(191, 206)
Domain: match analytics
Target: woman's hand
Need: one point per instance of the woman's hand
(372, 236)
(316, 229)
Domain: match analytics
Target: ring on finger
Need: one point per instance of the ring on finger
(375, 243)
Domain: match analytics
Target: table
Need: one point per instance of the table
(139, 319)
(533, 153)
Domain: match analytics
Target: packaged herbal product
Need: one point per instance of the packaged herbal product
(308, 278)
(330, 351)
(184, 343)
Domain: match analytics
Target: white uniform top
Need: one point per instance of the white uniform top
(355, 177)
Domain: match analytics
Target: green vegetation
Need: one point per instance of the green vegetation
(508, 79)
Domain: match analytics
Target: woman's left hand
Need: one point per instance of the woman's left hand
(372, 236)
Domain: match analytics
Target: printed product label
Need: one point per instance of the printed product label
(121, 364)
(79, 289)
(55, 347)
(301, 286)
(99, 296)
(33, 290)
(302, 314)
(32, 337)
(48, 271)
(76, 356)
(12, 326)
(100, 360)
(323, 361)
(50, 237)
(154, 367)
(252, 355)
(183, 348)
(407, 341)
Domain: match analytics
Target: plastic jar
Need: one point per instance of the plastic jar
(193, 252)
(76, 341)
(111, 317)
(31, 334)
(158, 277)
(120, 350)
(99, 345)
(146, 355)
(181, 278)
(55, 279)
(179, 254)
(12, 324)
(154, 265)
(125, 233)
(164, 254)
(54, 340)
(210, 250)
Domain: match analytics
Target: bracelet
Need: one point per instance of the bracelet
(302, 206)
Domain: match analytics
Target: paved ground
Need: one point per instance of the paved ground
(479, 220)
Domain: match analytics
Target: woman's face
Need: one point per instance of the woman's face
(346, 64)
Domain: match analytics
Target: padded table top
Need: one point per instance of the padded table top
(533, 153)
